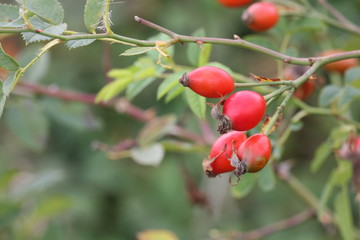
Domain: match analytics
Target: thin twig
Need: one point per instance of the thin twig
(278, 112)
(121, 105)
(339, 16)
(327, 218)
(156, 27)
(277, 226)
(176, 38)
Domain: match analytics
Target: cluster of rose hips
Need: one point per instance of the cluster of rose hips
(241, 111)
(259, 16)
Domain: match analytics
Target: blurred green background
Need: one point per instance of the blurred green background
(54, 185)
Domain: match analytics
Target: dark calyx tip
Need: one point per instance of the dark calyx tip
(224, 125)
(184, 80)
(241, 169)
(210, 174)
(247, 18)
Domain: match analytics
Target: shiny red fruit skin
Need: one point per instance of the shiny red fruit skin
(339, 66)
(255, 152)
(261, 16)
(245, 109)
(234, 3)
(221, 164)
(210, 82)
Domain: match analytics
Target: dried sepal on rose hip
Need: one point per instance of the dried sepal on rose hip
(255, 152)
(208, 81)
(241, 111)
(261, 16)
(223, 154)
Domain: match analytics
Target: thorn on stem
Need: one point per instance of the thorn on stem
(236, 37)
(137, 19)
(311, 61)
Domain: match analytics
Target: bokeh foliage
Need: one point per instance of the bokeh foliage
(55, 183)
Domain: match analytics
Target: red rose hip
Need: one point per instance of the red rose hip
(339, 66)
(210, 82)
(261, 16)
(242, 111)
(255, 152)
(223, 152)
(234, 3)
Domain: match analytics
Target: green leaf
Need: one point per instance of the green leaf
(328, 94)
(221, 66)
(348, 94)
(143, 72)
(352, 77)
(94, 10)
(174, 92)
(79, 43)
(292, 51)
(343, 214)
(136, 87)
(10, 82)
(156, 129)
(49, 208)
(118, 73)
(321, 154)
(8, 13)
(167, 84)
(246, 184)
(339, 135)
(113, 88)
(150, 155)
(342, 175)
(136, 51)
(9, 212)
(2, 103)
(41, 182)
(6, 180)
(325, 195)
(335, 140)
(29, 124)
(71, 114)
(10, 17)
(205, 53)
(176, 146)
(267, 179)
(30, 37)
(306, 24)
(296, 126)
(50, 10)
(7, 62)
(261, 40)
(339, 177)
(196, 103)
(193, 50)
(40, 68)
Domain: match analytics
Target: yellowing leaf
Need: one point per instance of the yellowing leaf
(266, 123)
(156, 235)
(264, 79)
